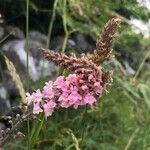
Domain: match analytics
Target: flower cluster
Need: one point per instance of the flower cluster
(77, 89)
(85, 85)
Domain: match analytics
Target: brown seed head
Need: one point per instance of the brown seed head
(103, 45)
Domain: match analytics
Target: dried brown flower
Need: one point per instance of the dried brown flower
(68, 62)
(12, 131)
(103, 45)
(101, 53)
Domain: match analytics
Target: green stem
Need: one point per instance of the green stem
(84, 126)
(65, 26)
(51, 24)
(2, 73)
(36, 131)
(100, 120)
(65, 42)
(141, 65)
(2, 40)
(131, 139)
(27, 65)
(27, 44)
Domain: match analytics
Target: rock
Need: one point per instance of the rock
(37, 36)
(128, 68)
(1, 32)
(57, 42)
(15, 50)
(16, 33)
(2, 126)
(78, 42)
(2, 92)
(82, 43)
(71, 43)
(4, 102)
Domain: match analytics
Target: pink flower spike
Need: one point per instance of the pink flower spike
(88, 99)
(49, 108)
(36, 108)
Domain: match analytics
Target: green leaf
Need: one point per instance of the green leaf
(36, 131)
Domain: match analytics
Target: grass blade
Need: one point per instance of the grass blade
(15, 76)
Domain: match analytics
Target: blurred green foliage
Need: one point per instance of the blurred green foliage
(121, 120)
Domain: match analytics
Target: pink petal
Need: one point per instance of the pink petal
(49, 108)
(29, 98)
(37, 96)
(88, 99)
(37, 109)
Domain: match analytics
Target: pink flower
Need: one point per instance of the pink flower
(98, 88)
(69, 97)
(72, 78)
(61, 84)
(63, 96)
(74, 97)
(59, 81)
(34, 97)
(75, 90)
(88, 99)
(37, 96)
(84, 88)
(79, 103)
(48, 90)
(81, 81)
(36, 108)
(64, 102)
(29, 98)
(90, 77)
(49, 108)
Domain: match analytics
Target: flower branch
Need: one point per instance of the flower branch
(82, 86)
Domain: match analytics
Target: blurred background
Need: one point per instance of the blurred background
(121, 120)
